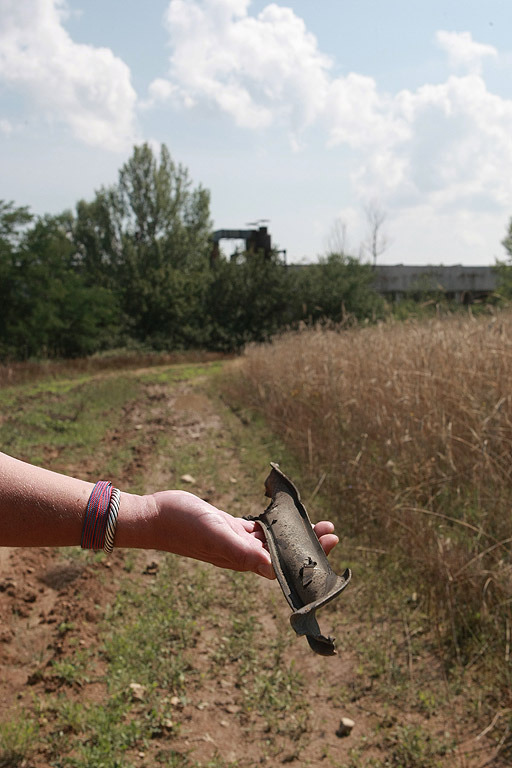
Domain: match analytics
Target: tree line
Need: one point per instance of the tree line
(133, 266)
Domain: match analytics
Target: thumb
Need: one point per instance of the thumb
(264, 567)
(257, 559)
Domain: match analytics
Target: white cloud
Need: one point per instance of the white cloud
(451, 137)
(161, 90)
(87, 88)
(463, 51)
(259, 69)
(441, 149)
(6, 127)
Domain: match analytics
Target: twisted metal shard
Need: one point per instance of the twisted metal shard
(302, 569)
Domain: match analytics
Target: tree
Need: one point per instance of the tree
(504, 268)
(13, 223)
(162, 212)
(52, 311)
(337, 241)
(376, 240)
(248, 300)
(148, 238)
(97, 236)
(336, 287)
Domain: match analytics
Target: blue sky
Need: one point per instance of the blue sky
(309, 114)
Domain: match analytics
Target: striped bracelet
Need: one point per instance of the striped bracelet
(113, 511)
(101, 517)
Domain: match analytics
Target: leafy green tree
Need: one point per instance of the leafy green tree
(507, 241)
(162, 212)
(13, 222)
(504, 268)
(147, 237)
(97, 236)
(53, 311)
(247, 300)
(336, 287)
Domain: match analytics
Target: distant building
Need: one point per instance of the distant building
(459, 283)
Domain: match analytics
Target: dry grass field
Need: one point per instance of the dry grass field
(407, 430)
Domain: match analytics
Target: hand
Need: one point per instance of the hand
(189, 526)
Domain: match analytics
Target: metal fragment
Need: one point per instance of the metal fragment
(302, 569)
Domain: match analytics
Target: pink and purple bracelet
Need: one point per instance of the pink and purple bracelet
(101, 517)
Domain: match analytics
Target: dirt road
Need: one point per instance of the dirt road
(250, 691)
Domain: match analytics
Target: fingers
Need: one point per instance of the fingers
(323, 527)
(326, 536)
(324, 530)
(253, 527)
(328, 542)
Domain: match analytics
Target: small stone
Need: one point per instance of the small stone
(175, 702)
(233, 709)
(138, 691)
(233, 480)
(188, 479)
(345, 727)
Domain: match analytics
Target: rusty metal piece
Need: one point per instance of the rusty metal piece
(301, 566)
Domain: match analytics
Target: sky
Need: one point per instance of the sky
(315, 115)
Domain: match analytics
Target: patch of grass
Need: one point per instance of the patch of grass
(147, 637)
(269, 683)
(75, 668)
(73, 417)
(104, 735)
(149, 634)
(17, 738)
(411, 746)
(183, 372)
(404, 746)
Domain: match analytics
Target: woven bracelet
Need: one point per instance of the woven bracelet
(113, 511)
(96, 516)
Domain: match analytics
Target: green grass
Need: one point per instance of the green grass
(146, 639)
(182, 372)
(73, 418)
(149, 637)
(17, 739)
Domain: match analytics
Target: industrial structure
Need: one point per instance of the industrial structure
(255, 239)
(459, 283)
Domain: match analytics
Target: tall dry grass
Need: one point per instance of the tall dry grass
(409, 428)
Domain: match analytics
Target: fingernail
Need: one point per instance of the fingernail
(266, 570)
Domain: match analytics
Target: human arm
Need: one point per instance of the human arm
(39, 507)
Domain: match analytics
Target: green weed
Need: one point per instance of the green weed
(72, 669)
(411, 746)
(17, 738)
(73, 419)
